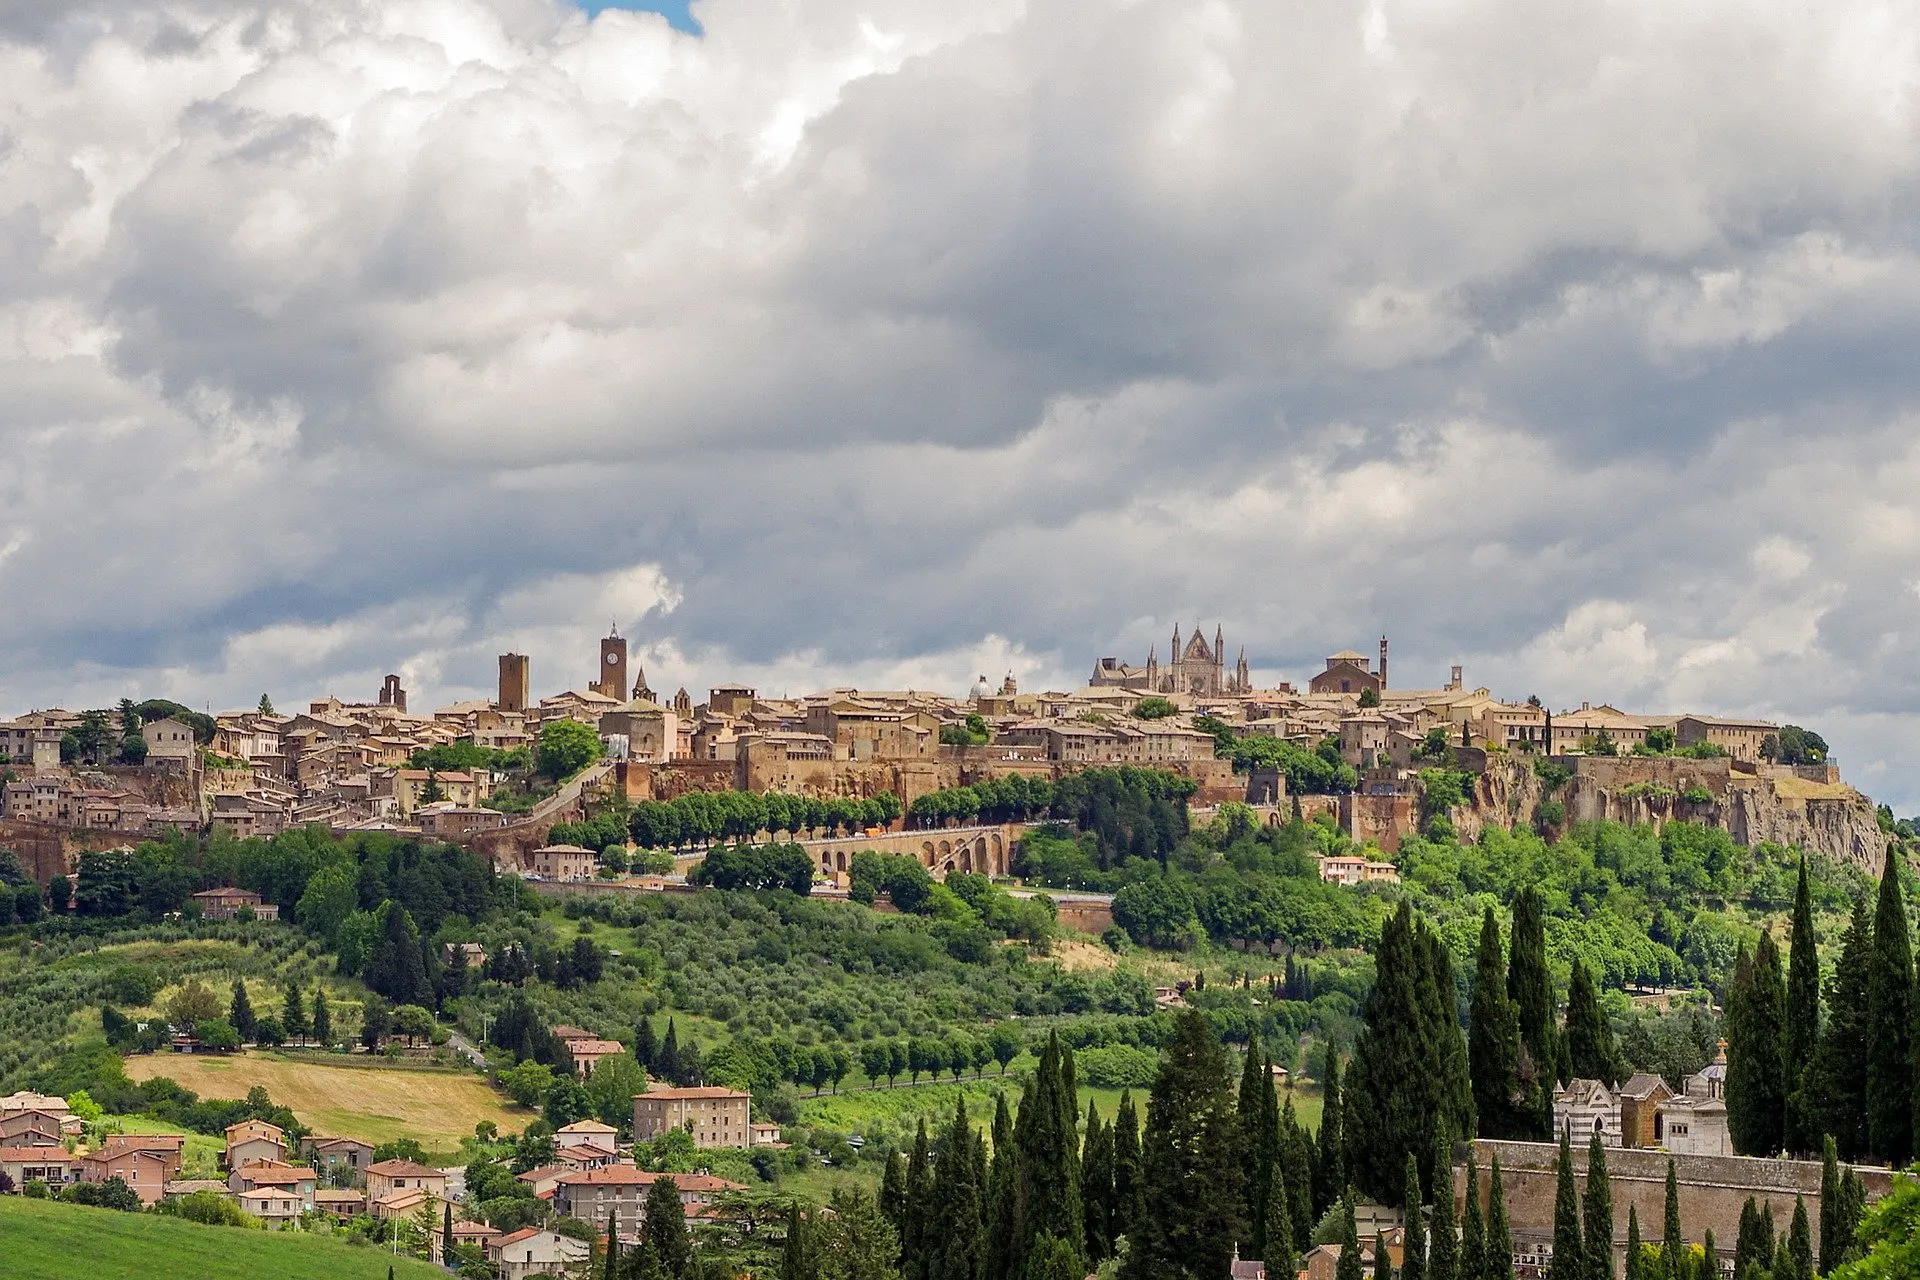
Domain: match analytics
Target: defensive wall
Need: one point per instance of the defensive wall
(1712, 1189)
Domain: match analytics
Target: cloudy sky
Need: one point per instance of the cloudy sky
(893, 342)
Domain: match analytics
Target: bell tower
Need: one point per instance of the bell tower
(613, 667)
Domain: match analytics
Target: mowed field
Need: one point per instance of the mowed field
(371, 1103)
(45, 1240)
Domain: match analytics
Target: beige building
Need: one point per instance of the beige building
(1740, 739)
(397, 1187)
(534, 1251)
(254, 1140)
(226, 903)
(565, 862)
(1350, 869)
(715, 1117)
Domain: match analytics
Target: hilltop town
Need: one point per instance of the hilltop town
(1349, 744)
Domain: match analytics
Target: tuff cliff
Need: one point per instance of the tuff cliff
(1808, 807)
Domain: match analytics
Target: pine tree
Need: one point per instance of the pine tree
(1443, 1248)
(1499, 1239)
(1672, 1244)
(667, 1061)
(1330, 1173)
(1833, 1090)
(1280, 1251)
(1191, 1161)
(1596, 1213)
(664, 1231)
(240, 1013)
(1096, 1186)
(1753, 1247)
(1348, 1267)
(1529, 983)
(919, 1206)
(1590, 1048)
(953, 1237)
(1382, 1257)
(293, 1012)
(1756, 1099)
(1569, 1260)
(1472, 1264)
(322, 1018)
(1636, 1268)
(1493, 1053)
(1802, 1031)
(1257, 1145)
(1414, 1257)
(395, 968)
(613, 1264)
(1889, 995)
(1129, 1204)
(446, 1234)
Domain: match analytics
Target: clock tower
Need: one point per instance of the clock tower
(613, 667)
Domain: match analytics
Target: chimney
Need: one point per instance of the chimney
(1383, 663)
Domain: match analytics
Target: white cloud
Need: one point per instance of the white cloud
(901, 342)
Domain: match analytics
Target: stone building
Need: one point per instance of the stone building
(715, 1117)
(1194, 668)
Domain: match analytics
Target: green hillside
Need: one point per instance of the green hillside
(43, 1240)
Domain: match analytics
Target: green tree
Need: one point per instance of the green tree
(1472, 1264)
(293, 1012)
(1096, 1186)
(1443, 1251)
(1833, 1091)
(1192, 1161)
(1597, 1214)
(1348, 1266)
(1330, 1171)
(954, 1239)
(1590, 1046)
(395, 968)
(1259, 1118)
(856, 1242)
(1003, 1185)
(1046, 1132)
(240, 1012)
(322, 1017)
(1756, 1097)
(1499, 1240)
(1889, 995)
(1802, 1033)
(1636, 1268)
(565, 748)
(664, 1231)
(1414, 1257)
(1129, 1187)
(1569, 1255)
(1493, 1049)
(1799, 1248)
(915, 1249)
(1529, 982)
(1672, 1244)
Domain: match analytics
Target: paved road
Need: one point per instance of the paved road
(467, 1049)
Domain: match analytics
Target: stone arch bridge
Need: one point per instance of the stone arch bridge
(987, 850)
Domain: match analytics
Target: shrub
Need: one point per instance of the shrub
(1118, 1066)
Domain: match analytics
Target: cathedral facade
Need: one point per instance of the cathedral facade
(1194, 668)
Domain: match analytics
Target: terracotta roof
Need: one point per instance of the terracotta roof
(338, 1195)
(703, 1091)
(594, 1048)
(282, 1174)
(37, 1155)
(614, 1175)
(403, 1169)
(524, 1233)
(475, 1229)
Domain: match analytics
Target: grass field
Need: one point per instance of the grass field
(373, 1104)
(44, 1240)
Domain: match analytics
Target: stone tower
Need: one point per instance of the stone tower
(613, 667)
(1383, 663)
(392, 695)
(513, 682)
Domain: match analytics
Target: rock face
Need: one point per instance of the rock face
(1799, 806)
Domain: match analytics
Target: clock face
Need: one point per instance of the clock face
(613, 659)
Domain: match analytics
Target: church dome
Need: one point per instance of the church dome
(980, 690)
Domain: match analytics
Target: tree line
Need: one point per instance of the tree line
(702, 817)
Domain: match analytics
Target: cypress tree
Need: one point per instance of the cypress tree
(1800, 1242)
(1493, 1051)
(1802, 1031)
(1672, 1245)
(322, 1018)
(1499, 1239)
(796, 1261)
(667, 1061)
(1443, 1248)
(1590, 1048)
(240, 1012)
(1296, 1155)
(1257, 1142)
(953, 1235)
(1191, 1161)
(446, 1234)
(1047, 1136)
(893, 1194)
(1382, 1257)
(1636, 1268)
(1003, 1188)
(1749, 1248)
(1833, 1090)
(1453, 1081)
(1597, 1214)
(1569, 1260)
(1348, 1267)
(1472, 1264)
(1829, 1205)
(919, 1206)
(645, 1047)
(1280, 1251)
(1096, 1186)
(1330, 1172)
(1756, 1098)
(293, 1012)
(1414, 1257)
(664, 1231)
(1529, 983)
(1129, 1204)
(614, 1266)
(1889, 994)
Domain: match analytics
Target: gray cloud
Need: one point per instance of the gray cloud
(893, 344)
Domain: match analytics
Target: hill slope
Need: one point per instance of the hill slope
(43, 1240)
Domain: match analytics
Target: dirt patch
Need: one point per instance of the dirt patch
(369, 1103)
(1083, 957)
